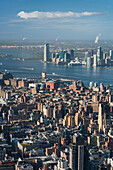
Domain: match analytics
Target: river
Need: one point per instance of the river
(33, 68)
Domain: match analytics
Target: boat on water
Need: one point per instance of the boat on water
(53, 73)
(29, 68)
(74, 63)
(22, 59)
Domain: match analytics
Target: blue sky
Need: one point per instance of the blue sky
(51, 19)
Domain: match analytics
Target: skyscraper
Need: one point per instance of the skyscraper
(66, 57)
(86, 56)
(91, 52)
(73, 157)
(78, 157)
(81, 157)
(100, 117)
(88, 61)
(62, 53)
(99, 54)
(111, 55)
(46, 52)
(105, 55)
(53, 55)
(94, 60)
(71, 54)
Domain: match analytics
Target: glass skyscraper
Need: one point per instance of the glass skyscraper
(46, 52)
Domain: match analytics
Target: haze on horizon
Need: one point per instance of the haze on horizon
(51, 20)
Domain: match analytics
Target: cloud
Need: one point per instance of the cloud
(52, 15)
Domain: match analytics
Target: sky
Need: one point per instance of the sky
(56, 19)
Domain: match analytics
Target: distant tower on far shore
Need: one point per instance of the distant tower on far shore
(86, 56)
(46, 52)
(111, 55)
(99, 54)
(94, 60)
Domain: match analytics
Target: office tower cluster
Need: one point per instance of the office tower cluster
(98, 59)
(62, 57)
(91, 58)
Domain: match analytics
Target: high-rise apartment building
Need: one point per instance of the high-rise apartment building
(46, 52)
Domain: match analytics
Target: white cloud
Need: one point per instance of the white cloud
(50, 15)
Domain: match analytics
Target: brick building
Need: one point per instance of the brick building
(52, 84)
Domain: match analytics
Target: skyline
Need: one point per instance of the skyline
(66, 20)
